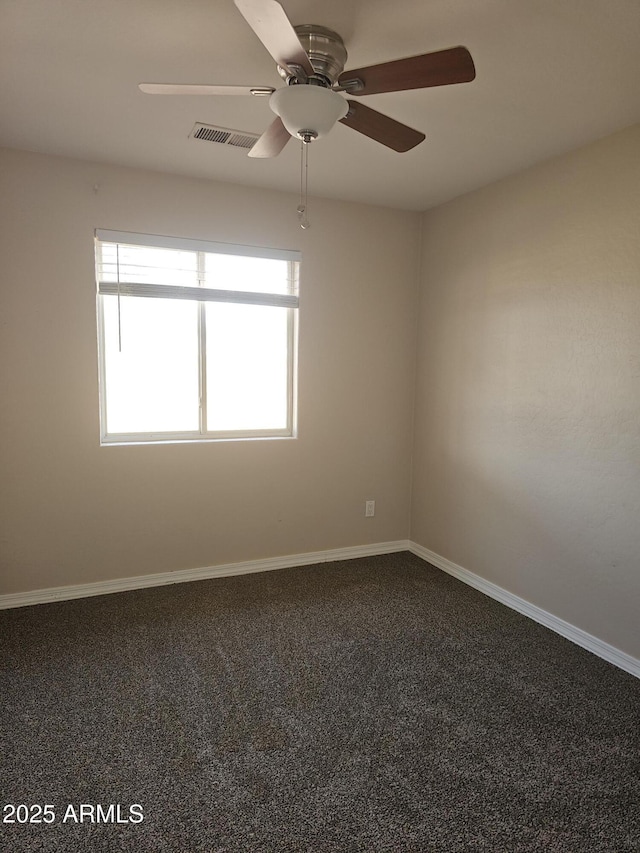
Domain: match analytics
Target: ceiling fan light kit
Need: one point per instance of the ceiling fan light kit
(311, 59)
(308, 112)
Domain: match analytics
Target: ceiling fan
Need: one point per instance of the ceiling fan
(311, 60)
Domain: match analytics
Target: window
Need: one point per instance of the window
(196, 339)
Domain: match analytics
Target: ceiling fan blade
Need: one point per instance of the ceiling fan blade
(197, 89)
(272, 140)
(441, 68)
(269, 22)
(382, 128)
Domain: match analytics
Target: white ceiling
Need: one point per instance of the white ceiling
(551, 75)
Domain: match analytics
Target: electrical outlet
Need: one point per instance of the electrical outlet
(370, 508)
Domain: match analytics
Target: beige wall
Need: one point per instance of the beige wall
(74, 512)
(526, 458)
(527, 438)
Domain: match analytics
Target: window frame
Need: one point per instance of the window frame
(202, 296)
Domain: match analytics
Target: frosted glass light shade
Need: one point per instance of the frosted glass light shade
(308, 108)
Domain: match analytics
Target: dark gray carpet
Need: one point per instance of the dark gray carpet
(370, 705)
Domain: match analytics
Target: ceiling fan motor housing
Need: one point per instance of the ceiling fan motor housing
(326, 51)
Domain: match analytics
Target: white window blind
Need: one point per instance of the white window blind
(172, 268)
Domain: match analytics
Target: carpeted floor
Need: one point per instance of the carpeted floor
(364, 706)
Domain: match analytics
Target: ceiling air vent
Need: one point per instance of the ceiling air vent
(223, 135)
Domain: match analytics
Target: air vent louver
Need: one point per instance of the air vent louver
(223, 135)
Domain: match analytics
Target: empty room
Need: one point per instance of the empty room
(320, 433)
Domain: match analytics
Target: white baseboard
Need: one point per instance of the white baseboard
(565, 629)
(570, 632)
(85, 590)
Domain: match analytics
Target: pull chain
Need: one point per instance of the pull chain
(119, 318)
(304, 185)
